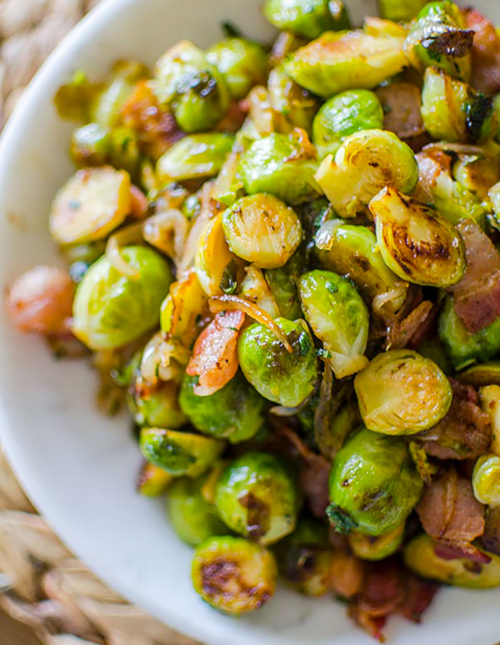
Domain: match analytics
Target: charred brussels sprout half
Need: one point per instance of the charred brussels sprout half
(111, 309)
(234, 575)
(280, 376)
(242, 63)
(198, 156)
(374, 484)
(486, 480)
(263, 230)
(438, 39)
(155, 406)
(463, 347)
(279, 165)
(338, 317)
(257, 497)
(352, 251)
(192, 517)
(416, 242)
(307, 18)
(453, 111)
(364, 164)
(234, 412)
(179, 453)
(400, 392)
(295, 103)
(346, 60)
(193, 88)
(345, 114)
(153, 481)
(420, 557)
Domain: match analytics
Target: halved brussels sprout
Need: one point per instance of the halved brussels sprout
(283, 285)
(463, 347)
(420, 557)
(153, 481)
(400, 10)
(486, 480)
(214, 257)
(194, 89)
(345, 114)
(338, 317)
(490, 403)
(198, 156)
(307, 18)
(255, 289)
(416, 242)
(479, 174)
(280, 376)
(369, 547)
(346, 60)
(234, 575)
(182, 308)
(374, 484)
(263, 230)
(494, 196)
(234, 412)
(438, 39)
(112, 309)
(241, 62)
(482, 375)
(155, 406)
(90, 206)
(193, 519)
(382, 27)
(90, 145)
(279, 165)
(295, 103)
(352, 251)
(454, 112)
(257, 497)
(364, 164)
(107, 108)
(179, 453)
(400, 393)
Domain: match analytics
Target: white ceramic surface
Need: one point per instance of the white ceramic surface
(79, 467)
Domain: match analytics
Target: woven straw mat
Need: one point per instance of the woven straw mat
(41, 583)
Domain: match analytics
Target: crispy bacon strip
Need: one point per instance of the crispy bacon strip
(485, 53)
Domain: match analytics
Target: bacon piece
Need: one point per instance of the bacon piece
(419, 595)
(401, 102)
(215, 358)
(485, 53)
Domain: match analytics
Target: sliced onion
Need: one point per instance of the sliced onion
(128, 235)
(167, 231)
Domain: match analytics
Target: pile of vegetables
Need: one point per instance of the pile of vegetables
(286, 261)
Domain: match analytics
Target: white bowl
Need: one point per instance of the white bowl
(78, 466)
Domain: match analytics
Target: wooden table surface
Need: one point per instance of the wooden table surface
(13, 633)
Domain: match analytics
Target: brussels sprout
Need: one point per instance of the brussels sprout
(112, 309)
(155, 406)
(346, 60)
(345, 114)
(279, 165)
(369, 547)
(437, 39)
(352, 251)
(338, 317)
(416, 242)
(283, 377)
(179, 453)
(283, 285)
(195, 89)
(214, 257)
(107, 108)
(90, 145)
(463, 347)
(486, 480)
(90, 206)
(153, 481)
(479, 174)
(257, 497)
(494, 196)
(400, 10)
(482, 375)
(242, 63)
(490, 403)
(234, 575)
(262, 229)
(73, 100)
(374, 484)
(295, 103)
(420, 557)
(193, 519)
(401, 392)
(364, 164)
(234, 412)
(435, 350)
(305, 559)
(195, 157)
(307, 18)
(453, 111)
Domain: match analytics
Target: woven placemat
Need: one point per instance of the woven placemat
(41, 583)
